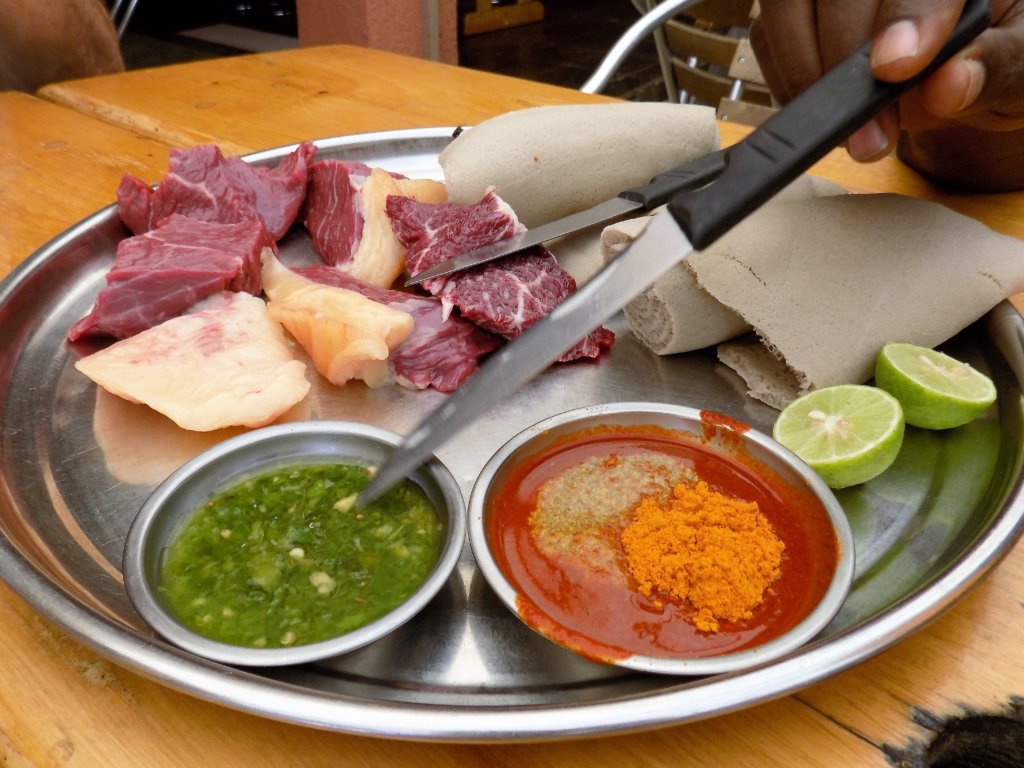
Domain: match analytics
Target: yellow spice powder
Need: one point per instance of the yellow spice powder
(718, 553)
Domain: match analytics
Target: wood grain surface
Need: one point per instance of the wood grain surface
(62, 704)
(59, 167)
(261, 101)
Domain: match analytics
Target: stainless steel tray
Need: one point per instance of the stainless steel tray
(77, 464)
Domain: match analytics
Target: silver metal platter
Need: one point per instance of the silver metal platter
(76, 465)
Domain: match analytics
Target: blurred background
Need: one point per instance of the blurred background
(563, 48)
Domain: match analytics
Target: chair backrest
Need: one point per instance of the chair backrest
(722, 14)
(713, 63)
(704, 52)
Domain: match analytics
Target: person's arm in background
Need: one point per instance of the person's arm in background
(964, 125)
(45, 41)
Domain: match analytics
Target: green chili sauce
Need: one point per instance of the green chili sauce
(287, 558)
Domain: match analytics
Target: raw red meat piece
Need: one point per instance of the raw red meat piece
(203, 184)
(433, 233)
(505, 296)
(439, 353)
(510, 295)
(135, 203)
(159, 275)
(331, 212)
(345, 215)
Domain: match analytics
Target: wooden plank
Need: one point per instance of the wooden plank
(686, 41)
(710, 87)
(744, 64)
(706, 87)
(722, 13)
(968, 660)
(246, 103)
(59, 701)
(743, 112)
(60, 167)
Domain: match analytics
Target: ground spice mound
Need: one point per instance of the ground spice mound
(717, 553)
(581, 511)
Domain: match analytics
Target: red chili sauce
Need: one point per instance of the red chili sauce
(579, 602)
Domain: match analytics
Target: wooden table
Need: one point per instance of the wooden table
(60, 703)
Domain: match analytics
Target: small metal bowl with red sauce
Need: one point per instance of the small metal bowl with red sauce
(546, 517)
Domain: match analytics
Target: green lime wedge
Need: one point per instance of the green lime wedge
(848, 434)
(935, 390)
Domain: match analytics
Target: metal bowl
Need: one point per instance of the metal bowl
(253, 453)
(720, 434)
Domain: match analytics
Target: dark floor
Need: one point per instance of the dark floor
(563, 49)
(566, 47)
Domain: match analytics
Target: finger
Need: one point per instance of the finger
(766, 62)
(843, 27)
(984, 85)
(915, 117)
(877, 138)
(910, 34)
(955, 87)
(790, 29)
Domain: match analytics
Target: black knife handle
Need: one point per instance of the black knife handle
(663, 187)
(748, 173)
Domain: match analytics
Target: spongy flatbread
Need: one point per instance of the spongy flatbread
(579, 253)
(675, 314)
(548, 162)
(768, 379)
(826, 282)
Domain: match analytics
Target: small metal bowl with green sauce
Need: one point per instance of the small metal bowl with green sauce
(254, 553)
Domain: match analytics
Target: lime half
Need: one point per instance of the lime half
(935, 390)
(848, 434)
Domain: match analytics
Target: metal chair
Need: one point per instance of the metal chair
(704, 52)
(121, 13)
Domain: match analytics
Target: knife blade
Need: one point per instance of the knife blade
(645, 198)
(596, 300)
(724, 188)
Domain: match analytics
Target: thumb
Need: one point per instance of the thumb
(984, 85)
(911, 33)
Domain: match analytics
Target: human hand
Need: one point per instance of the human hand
(980, 89)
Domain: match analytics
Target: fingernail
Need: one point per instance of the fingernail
(975, 72)
(899, 40)
(868, 142)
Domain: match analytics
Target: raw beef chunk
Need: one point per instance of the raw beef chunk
(344, 213)
(438, 353)
(161, 274)
(506, 296)
(509, 295)
(332, 213)
(433, 233)
(203, 184)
